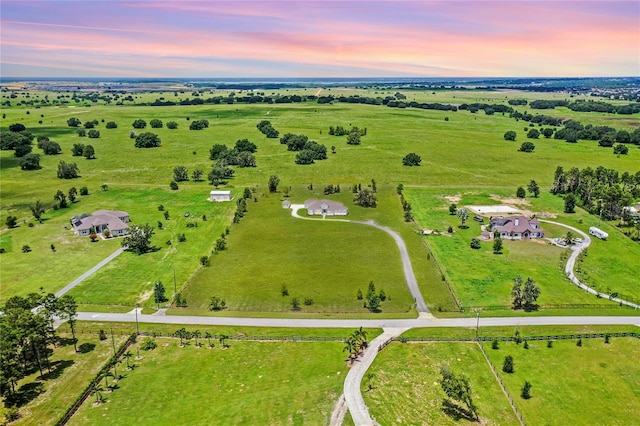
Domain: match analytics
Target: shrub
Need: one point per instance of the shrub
(526, 391)
(475, 243)
(510, 135)
(495, 345)
(527, 147)
(148, 344)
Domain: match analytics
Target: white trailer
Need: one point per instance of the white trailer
(599, 233)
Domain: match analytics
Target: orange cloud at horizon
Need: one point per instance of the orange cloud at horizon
(507, 42)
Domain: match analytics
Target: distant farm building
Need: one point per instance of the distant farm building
(599, 233)
(325, 208)
(113, 221)
(517, 227)
(220, 196)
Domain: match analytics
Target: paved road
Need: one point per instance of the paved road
(356, 323)
(90, 272)
(409, 276)
(571, 262)
(352, 394)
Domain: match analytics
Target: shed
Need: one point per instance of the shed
(220, 196)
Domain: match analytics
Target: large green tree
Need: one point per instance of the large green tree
(138, 240)
(147, 140)
(458, 389)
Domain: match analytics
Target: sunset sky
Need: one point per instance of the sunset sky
(319, 38)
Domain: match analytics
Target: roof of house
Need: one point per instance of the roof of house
(117, 213)
(111, 218)
(508, 224)
(214, 192)
(324, 205)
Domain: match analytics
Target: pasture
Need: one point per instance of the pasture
(594, 384)
(248, 382)
(326, 261)
(46, 398)
(406, 384)
(459, 150)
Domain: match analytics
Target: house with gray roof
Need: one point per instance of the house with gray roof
(517, 227)
(325, 208)
(100, 221)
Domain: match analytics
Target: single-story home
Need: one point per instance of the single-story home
(100, 221)
(517, 227)
(216, 195)
(325, 208)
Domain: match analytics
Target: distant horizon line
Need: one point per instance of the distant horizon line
(287, 79)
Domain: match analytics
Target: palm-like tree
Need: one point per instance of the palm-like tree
(115, 370)
(350, 346)
(106, 374)
(37, 209)
(223, 337)
(208, 336)
(97, 391)
(181, 335)
(463, 215)
(127, 355)
(196, 335)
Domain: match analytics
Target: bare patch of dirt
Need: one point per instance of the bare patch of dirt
(546, 215)
(512, 201)
(453, 199)
(144, 296)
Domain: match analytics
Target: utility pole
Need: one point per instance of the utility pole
(175, 291)
(137, 328)
(477, 323)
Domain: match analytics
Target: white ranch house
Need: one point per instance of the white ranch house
(220, 196)
(113, 221)
(325, 208)
(517, 227)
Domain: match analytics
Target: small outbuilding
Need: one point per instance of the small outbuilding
(220, 196)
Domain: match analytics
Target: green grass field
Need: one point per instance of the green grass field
(318, 260)
(128, 278)
(70, 374)
(482, 278)
(247, 383)
(407, 385)
(464, 152)
(594, 384)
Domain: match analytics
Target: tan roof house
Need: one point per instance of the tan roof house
(325, 208)
(102, 220)
(517, 227)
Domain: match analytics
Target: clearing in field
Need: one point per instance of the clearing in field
(246, 383)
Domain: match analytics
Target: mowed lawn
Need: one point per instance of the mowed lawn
(128, 278)
(596, 384)
(482, 278)
(323, 260)
(70, 373)
(406, 385)
(247, 383)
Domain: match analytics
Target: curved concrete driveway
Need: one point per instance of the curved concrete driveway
(409, 276)
(571, 262)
